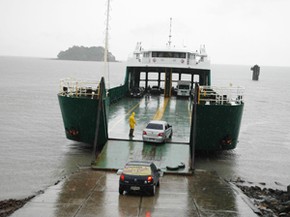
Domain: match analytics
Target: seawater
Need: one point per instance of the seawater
(34, 152)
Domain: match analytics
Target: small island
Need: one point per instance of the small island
(85, 54)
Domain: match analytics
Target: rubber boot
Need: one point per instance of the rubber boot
(131, 133)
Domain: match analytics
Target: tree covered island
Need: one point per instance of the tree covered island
(85, 54)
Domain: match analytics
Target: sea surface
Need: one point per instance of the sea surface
(35, 154)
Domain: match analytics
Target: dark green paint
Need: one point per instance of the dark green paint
(80, 114)
(216, 122)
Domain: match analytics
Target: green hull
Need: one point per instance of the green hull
(218, 126)
(80, 119)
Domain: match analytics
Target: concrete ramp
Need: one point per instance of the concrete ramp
(169, 157)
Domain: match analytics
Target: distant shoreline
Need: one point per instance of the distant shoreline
(85, 60)
(86, 54)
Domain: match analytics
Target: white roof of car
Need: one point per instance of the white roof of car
(158, 122)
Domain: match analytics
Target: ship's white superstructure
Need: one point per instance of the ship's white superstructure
(179, 58)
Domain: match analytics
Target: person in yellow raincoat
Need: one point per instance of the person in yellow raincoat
(132, 123)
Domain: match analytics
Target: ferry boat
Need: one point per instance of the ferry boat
(216, 111)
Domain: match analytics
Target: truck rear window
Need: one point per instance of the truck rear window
(181, 86)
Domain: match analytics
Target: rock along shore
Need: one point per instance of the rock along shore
(7, 207)
(269, 201)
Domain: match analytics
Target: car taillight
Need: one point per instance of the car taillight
(150, 179)
(144, 133)
(122, 177)
(160, 134)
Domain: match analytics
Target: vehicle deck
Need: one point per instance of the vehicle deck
(176, 111)
(120, 148)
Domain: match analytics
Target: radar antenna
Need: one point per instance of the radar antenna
(169, 41)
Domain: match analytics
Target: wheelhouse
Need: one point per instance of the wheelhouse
(166, 67)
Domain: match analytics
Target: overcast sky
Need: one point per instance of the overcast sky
(234, 31)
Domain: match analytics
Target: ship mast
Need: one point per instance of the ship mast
(106, 62)
(169, 41)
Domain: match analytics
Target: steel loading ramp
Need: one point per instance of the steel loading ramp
(169, 157)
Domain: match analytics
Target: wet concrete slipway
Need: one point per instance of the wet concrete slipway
(94, 191)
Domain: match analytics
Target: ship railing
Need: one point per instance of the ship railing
(74, 88)
(210, 95)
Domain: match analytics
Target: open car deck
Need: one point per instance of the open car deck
(172, 157)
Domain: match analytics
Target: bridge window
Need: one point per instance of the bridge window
(168, 54)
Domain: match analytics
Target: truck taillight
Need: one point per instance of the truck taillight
(122, 177)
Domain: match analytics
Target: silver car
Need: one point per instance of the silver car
(157, 131)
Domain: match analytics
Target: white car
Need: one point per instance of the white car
(157, 131)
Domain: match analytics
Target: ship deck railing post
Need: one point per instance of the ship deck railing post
(193, 126)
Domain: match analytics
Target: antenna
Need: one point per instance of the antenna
(106, 72)
(169, 41)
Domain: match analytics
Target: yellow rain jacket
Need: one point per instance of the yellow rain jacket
(132, 121)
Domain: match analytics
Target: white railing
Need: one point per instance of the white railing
(221, 95)
(73, 87)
